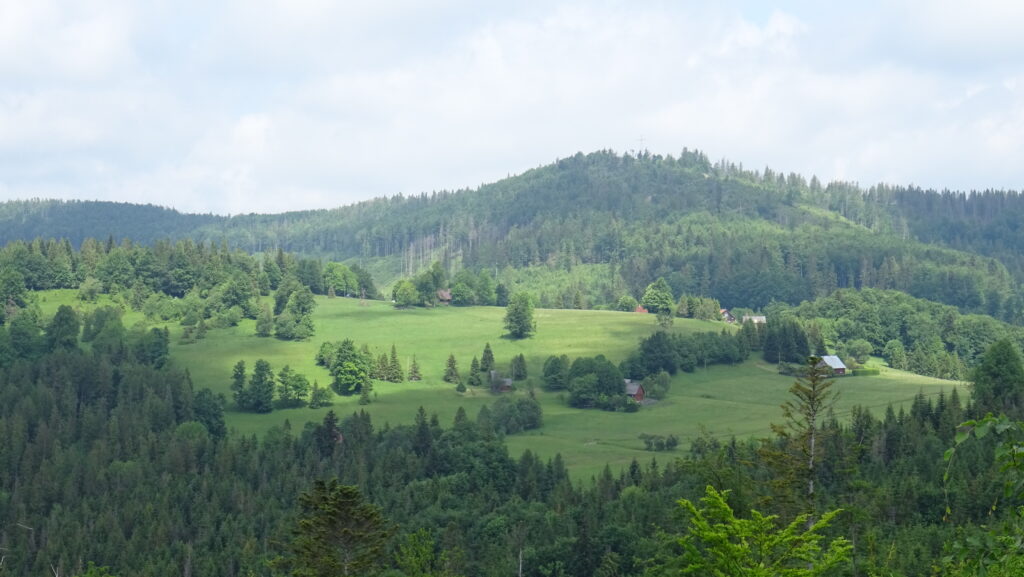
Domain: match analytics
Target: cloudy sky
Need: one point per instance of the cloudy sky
(274, 105)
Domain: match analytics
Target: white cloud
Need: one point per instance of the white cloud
(273, 105)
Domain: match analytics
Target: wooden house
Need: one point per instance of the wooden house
(635, 390)
(833, 362)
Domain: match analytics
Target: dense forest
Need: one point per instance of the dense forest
(712, 229)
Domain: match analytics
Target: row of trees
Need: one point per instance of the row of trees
(257, 392)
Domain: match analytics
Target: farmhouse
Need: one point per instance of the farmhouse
(727, 316)
(756, 319)
(635, 390)
(834, 363)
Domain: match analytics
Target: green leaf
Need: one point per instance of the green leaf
(961, 435)
(983, 430)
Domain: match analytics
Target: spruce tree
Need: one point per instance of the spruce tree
(238, 389)
(396, 373)
(337, 533)
(517, 369)
(414, 370)
(451, 371)
(261, 388)
(487, 361)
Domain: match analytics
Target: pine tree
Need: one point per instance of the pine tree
(803, 434)
(475, 378)
(451, 371)
(337, 533)
(487, 361)
(383, 368)
(414, 370)
(396, 373)
(238, 388)
(261, 388)
(517, 369)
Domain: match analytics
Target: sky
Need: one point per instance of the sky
(239, 106)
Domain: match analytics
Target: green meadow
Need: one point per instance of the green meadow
(721, 401)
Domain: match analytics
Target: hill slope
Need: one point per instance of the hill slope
(743, 237)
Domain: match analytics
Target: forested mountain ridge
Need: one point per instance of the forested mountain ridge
(78, 220)
(745, 237)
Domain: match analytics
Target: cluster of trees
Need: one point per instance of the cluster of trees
(353, 370)
(26, 335)
(465, 288)
(659, 442)
(671, 353)
(201, 286)
(658, 299)
(484, 370)
(590, 382)
(910, 333)
(257, 392)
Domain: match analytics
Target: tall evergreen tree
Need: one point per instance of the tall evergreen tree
(519, 319)
(998, 381)
(396, 374)
(62, 332)
(487, 360)
(803, 435)
(261, 388)
(338, 534)
(414, 370)
(451, 371)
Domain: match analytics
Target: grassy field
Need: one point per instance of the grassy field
(735, 400)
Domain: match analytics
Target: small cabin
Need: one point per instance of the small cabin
(635, 390)
(833, 362)
(444, 296)
(727, 316)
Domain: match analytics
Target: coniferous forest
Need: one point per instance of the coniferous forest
(115, 462)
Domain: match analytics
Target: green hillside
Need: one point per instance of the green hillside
(740, 400)
(714, 229)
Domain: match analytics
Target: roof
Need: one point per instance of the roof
(833, 361)
(444, 294)
(632, 387)
(755, 318)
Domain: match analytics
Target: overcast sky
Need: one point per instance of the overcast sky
(268, 106)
